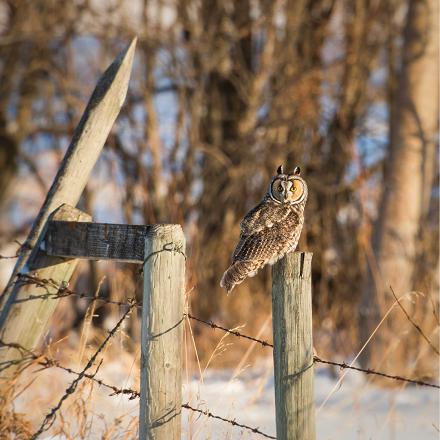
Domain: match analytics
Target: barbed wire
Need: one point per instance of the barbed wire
(46, 362)
(132, 394)
(64, 291)
(232, 332)
(317, 359)
(343, 366)
(230, 421)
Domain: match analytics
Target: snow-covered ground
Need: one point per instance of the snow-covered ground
(356, 410)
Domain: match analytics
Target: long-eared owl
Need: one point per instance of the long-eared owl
(271, 229)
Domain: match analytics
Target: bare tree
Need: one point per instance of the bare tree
(408, 185)
(222, 92)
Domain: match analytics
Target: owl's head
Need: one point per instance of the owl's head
(288, 188)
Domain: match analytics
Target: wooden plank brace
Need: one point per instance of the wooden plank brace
(97, 241)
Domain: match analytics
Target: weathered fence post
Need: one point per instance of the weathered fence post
(293, 347)
(162, 334)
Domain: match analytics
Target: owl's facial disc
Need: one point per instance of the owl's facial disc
(288, 189)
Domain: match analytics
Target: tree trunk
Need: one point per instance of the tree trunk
(407, 188)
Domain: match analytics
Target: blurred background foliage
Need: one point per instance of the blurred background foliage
(222, 92)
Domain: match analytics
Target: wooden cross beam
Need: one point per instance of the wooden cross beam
(96, 241)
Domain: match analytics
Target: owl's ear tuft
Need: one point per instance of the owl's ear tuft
(280, 169)
(297, 171)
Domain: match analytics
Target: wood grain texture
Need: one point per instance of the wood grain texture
(27, 322)
(96, 241)
(86, 145)
(293, 347)
(162, 334)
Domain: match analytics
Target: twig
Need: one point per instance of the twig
(17, 252)
(8, 257)
(417, 327)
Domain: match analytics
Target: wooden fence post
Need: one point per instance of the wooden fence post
(293, 347)
(162, 334)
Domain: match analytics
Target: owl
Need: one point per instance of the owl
(270, 230)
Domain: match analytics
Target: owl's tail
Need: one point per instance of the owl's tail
(236, 273)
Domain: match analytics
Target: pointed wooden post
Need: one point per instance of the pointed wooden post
(87, 142)
(293, 347)
(162, 334)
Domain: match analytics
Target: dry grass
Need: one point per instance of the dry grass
(91, 413)
(85, 414)
(13, 424)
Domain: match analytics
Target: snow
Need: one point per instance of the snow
(357, 409)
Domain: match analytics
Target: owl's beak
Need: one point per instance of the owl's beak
(285, 192)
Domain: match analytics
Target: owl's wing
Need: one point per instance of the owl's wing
(265, 231)
(265, 237)
(263, 216)
(260, 246)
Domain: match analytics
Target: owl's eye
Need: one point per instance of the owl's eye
(280, 188)
(293, 189)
